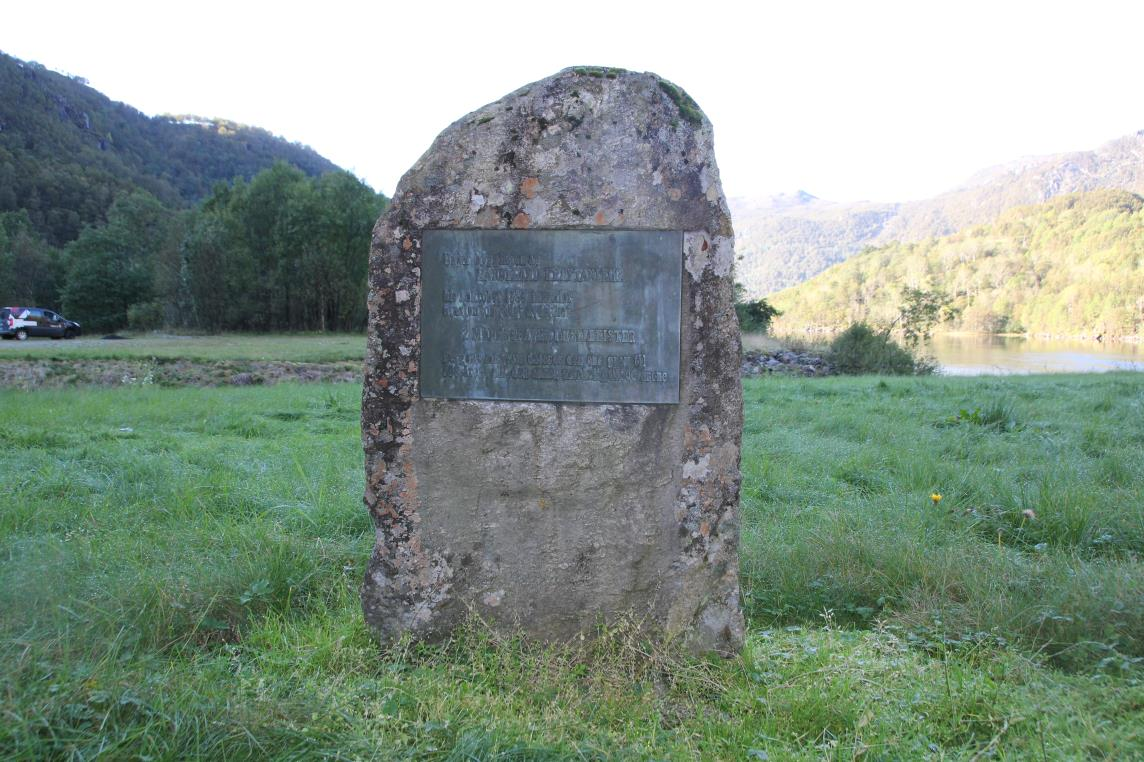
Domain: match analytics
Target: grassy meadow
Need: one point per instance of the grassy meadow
(179, 573)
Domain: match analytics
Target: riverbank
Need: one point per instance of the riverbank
(59, 373)
(238, 359)
(955, 354)
(982, 354)
(38, 374)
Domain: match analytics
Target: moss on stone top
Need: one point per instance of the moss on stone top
(600, 72)
(688, 108)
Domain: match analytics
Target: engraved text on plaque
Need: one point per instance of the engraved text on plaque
(551, 315)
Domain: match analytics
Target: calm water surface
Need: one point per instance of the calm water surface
(975, 355)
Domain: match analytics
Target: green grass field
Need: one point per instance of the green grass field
(179, 573)
(316, 347)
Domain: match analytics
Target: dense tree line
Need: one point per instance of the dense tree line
(283, 251)
(67, 152)
(1071, 266)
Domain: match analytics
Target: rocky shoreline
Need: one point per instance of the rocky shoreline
(785, 362)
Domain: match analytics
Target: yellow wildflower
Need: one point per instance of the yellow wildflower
(935, 497)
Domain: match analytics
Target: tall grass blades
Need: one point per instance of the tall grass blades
(179, 572)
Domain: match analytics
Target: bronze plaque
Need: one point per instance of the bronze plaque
(551, 315)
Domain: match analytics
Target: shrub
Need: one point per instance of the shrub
(860, 349)
(756, 316)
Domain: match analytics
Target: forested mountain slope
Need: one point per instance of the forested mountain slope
(787, 239)
(1071, 266)
(784, 243)
(67, 152)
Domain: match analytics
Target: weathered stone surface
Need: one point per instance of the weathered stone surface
(553, 516)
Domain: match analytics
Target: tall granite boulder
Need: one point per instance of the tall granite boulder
(552, 516)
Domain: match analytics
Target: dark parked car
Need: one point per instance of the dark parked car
(22, 322)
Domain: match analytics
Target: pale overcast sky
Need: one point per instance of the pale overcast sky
(847, 100)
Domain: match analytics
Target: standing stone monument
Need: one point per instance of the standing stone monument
(552, 409)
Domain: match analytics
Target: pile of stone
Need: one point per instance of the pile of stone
(787, 362)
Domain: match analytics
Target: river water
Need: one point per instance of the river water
(983, 354)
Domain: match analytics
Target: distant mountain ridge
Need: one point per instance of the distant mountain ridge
(780, 244)
(1070, 266)
(67, 151)
(783, 243)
